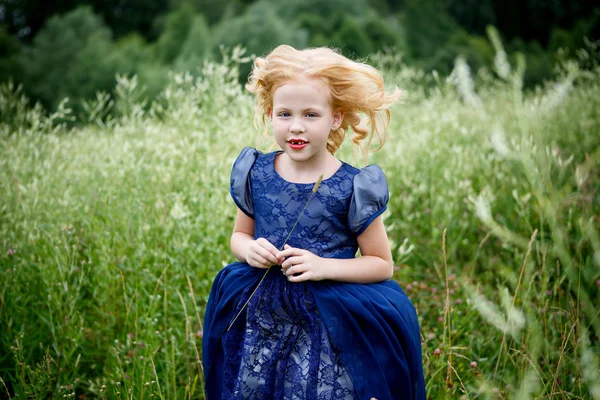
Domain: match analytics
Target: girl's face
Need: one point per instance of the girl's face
(302, 119)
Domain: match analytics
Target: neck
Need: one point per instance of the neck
(307, 171)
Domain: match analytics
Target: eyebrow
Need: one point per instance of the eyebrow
(283, 108)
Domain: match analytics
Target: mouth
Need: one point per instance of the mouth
(297, 144)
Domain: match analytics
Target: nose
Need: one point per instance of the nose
(296, 126)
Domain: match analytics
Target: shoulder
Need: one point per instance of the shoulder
(247, 156)
(364, 177)
(369, 176)
(369, 198)
(240, 179)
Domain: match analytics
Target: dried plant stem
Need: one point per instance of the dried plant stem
(503, 343)
(5, 388)
(447, 326)
(198, 361)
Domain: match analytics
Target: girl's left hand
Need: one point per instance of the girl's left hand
(299, 261)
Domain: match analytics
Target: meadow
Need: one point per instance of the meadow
(114, 221)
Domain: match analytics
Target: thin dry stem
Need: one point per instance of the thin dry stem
(314, 192)
(447, 327)
(503, 343)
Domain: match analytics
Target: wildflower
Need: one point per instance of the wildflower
(10, 252)
(549, 292)
(199, 334)
(598, 282)
(473, 364)
(437, 352)
(409, 287)
(458, 301)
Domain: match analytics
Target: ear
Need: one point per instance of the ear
(338, 117)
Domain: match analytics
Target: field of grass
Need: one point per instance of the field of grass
(112, 229)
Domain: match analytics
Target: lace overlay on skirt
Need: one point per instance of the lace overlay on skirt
(285, 352)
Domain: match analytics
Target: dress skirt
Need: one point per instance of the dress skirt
(310, 340)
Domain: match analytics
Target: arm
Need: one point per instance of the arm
(258, 253)
(374, 265)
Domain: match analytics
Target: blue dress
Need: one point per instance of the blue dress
(310, 340)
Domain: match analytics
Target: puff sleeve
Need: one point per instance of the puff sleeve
(369, 199)
(240, 187)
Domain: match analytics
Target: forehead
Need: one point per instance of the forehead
(307, 91)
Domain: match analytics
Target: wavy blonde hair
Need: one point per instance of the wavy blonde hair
(354, 87)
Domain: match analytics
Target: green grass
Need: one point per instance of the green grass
(112, 231)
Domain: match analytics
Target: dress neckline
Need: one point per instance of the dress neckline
(274, 155)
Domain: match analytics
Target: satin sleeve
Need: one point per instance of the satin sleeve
(240, 184)
(369, 199)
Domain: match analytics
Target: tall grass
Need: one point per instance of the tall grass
(112, 229)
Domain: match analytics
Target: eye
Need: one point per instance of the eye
(311, 115)
(284, 114)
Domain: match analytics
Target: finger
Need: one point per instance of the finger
(270, 248)
(259, 261)
(296, 260)
(295, 270)
(299, 278)
(264, 253)
(292, 251)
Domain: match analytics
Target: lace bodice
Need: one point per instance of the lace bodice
(343, 207)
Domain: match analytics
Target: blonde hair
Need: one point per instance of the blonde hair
(354, 87)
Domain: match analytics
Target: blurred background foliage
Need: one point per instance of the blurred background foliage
(75, 48)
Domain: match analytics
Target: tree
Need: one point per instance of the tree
(176, 30)
(428, 27)
(10, 61)
(259, 30)
(290, 9)
(196, 48)
(352, 39)
(69, 58)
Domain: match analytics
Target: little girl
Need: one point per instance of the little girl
(300, 316)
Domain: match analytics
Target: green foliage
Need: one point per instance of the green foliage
(385, 33)
(212, 10)
(70, 57)
(196, 48)
(130, 53)
(74, 56)
(475, 49)
(259, 30)
(428, 27)
(10, 62)
(540, 64)
(290, 9)
(176, 30)
(352, 39)
(111, 232)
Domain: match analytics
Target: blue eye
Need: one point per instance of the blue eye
(284, 114)
(311, 115)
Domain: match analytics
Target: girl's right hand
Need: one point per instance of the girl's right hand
(262, 254)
